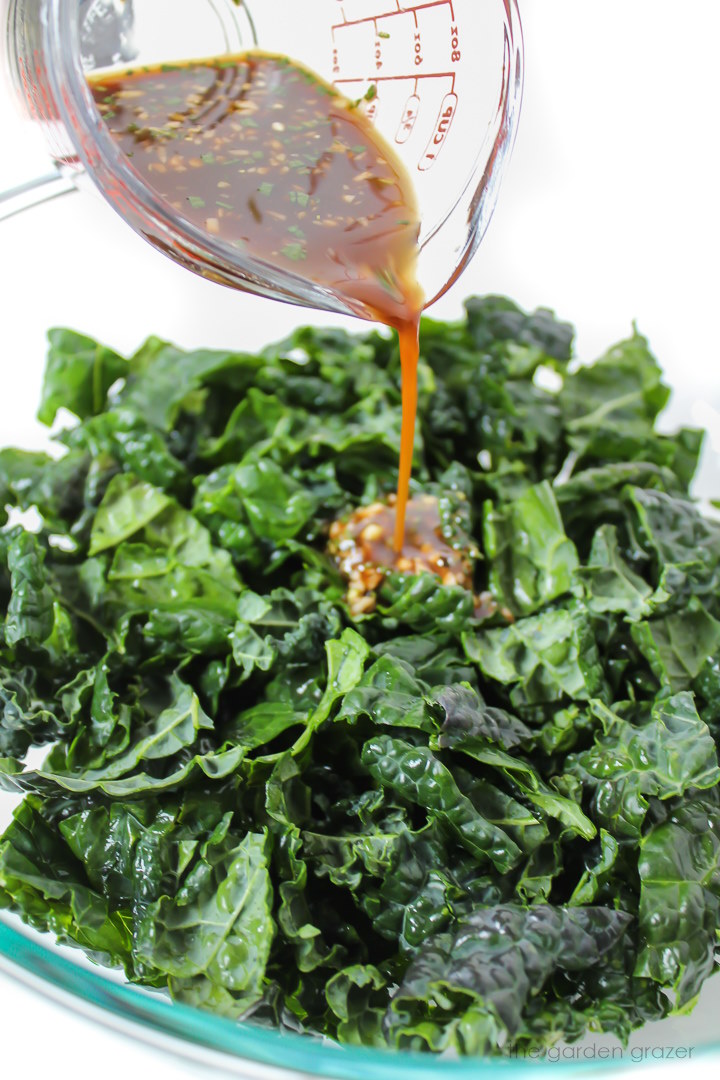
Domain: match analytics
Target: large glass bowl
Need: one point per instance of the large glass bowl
(72, 262)
(133, 292)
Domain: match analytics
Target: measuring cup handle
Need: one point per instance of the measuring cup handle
(38, 190)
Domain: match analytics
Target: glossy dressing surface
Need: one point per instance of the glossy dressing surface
(363, 548)
(263, 154)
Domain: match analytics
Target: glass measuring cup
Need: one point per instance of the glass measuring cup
(444, 78)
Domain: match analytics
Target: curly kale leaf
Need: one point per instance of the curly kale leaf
(468, 988)
(531, 559)
(415, 773)
(680, 899)
(667, 755)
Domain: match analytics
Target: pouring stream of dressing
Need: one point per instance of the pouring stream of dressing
(260, 152)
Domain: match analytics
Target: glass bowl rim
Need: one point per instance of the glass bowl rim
(273, 1055)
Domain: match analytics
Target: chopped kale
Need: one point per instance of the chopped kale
(469, 821)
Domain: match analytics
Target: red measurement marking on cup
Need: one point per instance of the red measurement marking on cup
(412, 9)
(34, 80)
(378, 49)
(440, 134)
(409, 117)
(33, 76)
(29, 89)
(402, 78)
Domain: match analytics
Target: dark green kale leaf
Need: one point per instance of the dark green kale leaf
(251, 509)
(162, 381)
(422, 603)
(467, 989)
(682, 545)
(168, 578)
(78, 374)
(467, 716)
(54, 486)
(680, 898)
(610, 408)
(550, 657)
(531, 559)
(27, 719)
(609, 583)
(284, 626)
(415, 773)
(213, 938)
(350, 995)
(40, 877)
(131, 441)
(29, 617)
(129, 504)
(496, 323)
(678, 646)
(389, 696)
(670, 753)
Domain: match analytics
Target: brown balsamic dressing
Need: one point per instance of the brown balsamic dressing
(261, 153)
(363, 548)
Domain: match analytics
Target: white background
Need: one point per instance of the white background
(609, 214)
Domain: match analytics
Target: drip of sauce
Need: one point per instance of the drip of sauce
(262, 154)
(409, 338)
